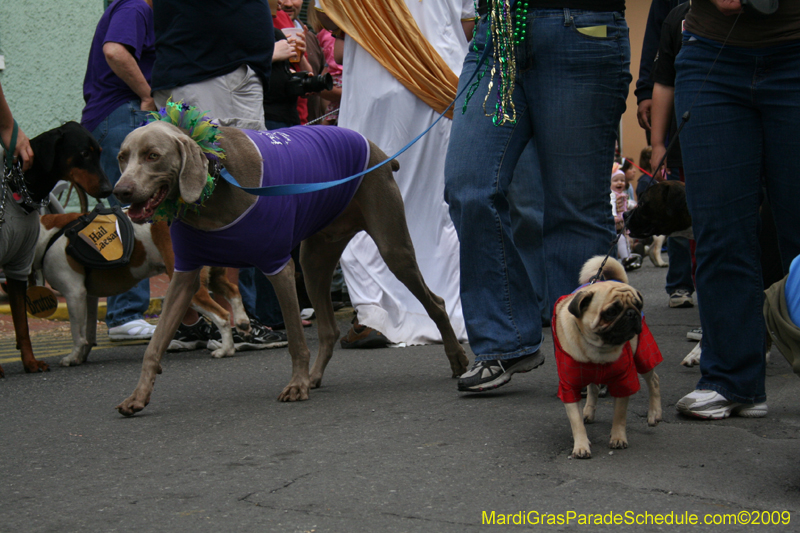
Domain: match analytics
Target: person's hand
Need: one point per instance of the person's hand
(622, 203)
(728, 7)
(148, 104)
(23, 150)
(298, 41)
(643, 113)
(282, 51)
(655, 158)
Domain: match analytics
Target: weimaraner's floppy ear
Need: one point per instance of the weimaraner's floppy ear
(194, 169)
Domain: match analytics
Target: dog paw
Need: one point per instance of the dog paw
(2, 374)
(294, 392)
(36, 366)
(132, 405)
(618, 443)
(459, 364)
(581, 452)
(70, 360)
(315, 381)
(588, 415)
(219, 353)
(653, 417)
(693, 357)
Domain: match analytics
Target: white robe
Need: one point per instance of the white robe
(375, 104)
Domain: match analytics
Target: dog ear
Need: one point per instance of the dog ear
(194, 169)
(580, 303)
(44, 149)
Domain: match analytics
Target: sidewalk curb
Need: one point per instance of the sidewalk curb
(63, 315)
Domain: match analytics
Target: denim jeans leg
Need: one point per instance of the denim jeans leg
(499, 302)
(128, 306)
(576, 87)
(570, 92)
(247, 288)
(268, 309)
(679, 272)
(110, 133)
(527, 219)
(733, 138)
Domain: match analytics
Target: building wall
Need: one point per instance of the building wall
(45, 46)
(633, 136)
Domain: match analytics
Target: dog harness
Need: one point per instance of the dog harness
(621, 376)
(265, 235)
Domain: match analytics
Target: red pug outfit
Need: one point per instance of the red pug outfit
(621, 376)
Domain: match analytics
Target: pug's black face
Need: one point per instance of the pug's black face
(619, 323)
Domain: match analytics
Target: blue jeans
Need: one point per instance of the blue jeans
(110, 133)
(742, 135)
(526, 202)
(259, 298)
(679, 272)
(570, 94)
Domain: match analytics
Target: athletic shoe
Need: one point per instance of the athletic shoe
(632, 262)
(135, 330)
(711, 405)
(259, 338)
(266, 336)
(191, 337)
(695, 334)
(681, 298)
(493, 373)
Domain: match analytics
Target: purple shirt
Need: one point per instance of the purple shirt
(130, 23)
(265, 235)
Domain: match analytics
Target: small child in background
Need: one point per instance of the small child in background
(621, 201)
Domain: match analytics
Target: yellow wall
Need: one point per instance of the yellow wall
(633, 136)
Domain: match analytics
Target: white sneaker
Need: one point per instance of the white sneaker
(135, 330)
(695, 334)
(711, 405)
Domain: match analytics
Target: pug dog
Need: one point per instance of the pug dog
(601, 337)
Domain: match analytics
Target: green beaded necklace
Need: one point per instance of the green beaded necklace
(506, 30)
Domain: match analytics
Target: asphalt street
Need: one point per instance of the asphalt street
(387, 444)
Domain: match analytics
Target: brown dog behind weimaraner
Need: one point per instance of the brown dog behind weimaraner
(159, 161)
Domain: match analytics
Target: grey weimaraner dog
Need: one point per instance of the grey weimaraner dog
(160, 161)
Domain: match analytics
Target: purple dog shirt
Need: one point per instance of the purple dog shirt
(265, 235)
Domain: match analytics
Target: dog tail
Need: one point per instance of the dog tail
(611, 270)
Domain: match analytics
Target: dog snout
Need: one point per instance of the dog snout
(105, 187)
(123, 192)
(634, 316)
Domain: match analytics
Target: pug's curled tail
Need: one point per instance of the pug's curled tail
(611, 270)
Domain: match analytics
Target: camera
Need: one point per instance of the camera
(300, 83)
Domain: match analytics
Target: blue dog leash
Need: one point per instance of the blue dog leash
(300, 188)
